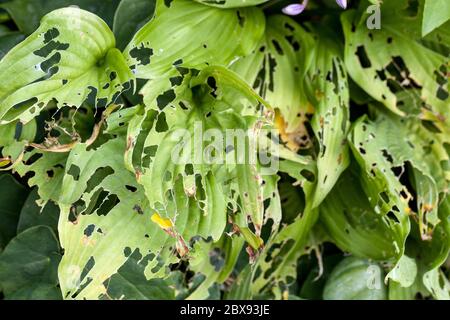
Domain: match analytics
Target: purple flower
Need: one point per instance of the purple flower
(297, 8)
(342, 3)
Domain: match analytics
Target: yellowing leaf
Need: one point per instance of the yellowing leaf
(163, 223)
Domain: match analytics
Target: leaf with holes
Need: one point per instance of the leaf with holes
(185, 33)
(61, 68)
(394, 66)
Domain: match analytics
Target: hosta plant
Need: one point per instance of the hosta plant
(237, 149)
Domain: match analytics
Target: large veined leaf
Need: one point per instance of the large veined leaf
(404, 141)
(397, 292)
(286, 55)
(130, 282)
(275, 70)
(328, 92)
(231, 3)
(185, 33)
(434, 253)
(199, 176)
(61, 68)
(46, 161)
(28, 265)
(207, 102)
(28, 13)
(438, 284)
(353, 224)
(104, 218)
(277, 264)
(392, 66)
(423, 149)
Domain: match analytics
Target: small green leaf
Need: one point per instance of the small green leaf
(130, 16)
(355, 279)
(404, 272)
(28, 265)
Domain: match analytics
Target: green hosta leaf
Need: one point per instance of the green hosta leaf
(274, 71)
(231, 3)
(397, 292)
(404, 272)
(194, 188)
(216, 261)
(34, 215)
(104, 218)
(28, 265)
(434, 253)
(8, 41)
(28, 13)
(48, 172)
(328, 92)
(47, 160)
(56, 66)
(355, 279)
(130, 16)
(354, 225)
(130, 282)
(13, 138)
(241, 289)
(326, 82)
(185, 33)
(278, 262)
(438, 284)
(12, 197)
(435, 13)
(395, 68)
(382, 149)
(286, 54)
(312, 287)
